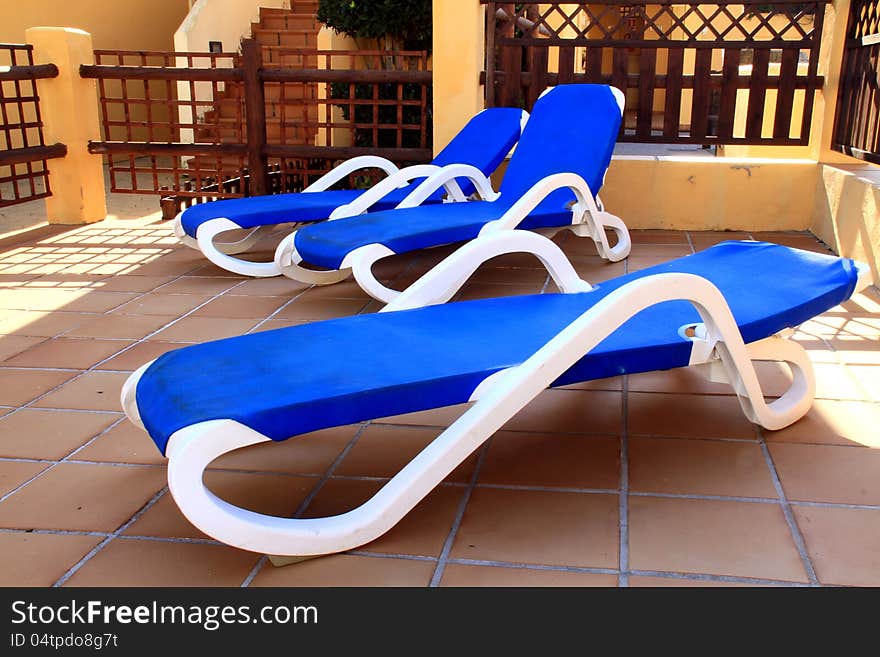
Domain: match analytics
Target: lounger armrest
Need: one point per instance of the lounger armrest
(381, 189)
(348, 167)
(445, 177)
(585, 201)
(443, 281)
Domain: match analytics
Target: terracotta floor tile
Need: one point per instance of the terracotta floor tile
(520, 276)
(435, 417)
(129, 283)
(687, 416)
(42, 323)
(274, 495)
(663, 252)
(570, 411)
(643, 581)
(272, 324)
(203, 329)
(83, 301)
(124, 443)
(828, 473)
(318, 309)
(698, 467)
(311, 453)
(552, 460)
(612, 383)
(143, 352)
(573, 529)
(834, 422)
(774, 378)
(348, 570)
(164, 564)
(856, 350)
(19, 386)
(844, 544)
(382, 451)
(466, 575)
(81, 497)
(868, 378)
(40, 559)
(241, 307)
(157, 303)
(95, 391)
(658, 237)
(32, 433)
(72, 353)
(594, 269)
(492, 290)
(10, 345)
(279, 286)
(15, 473)
(200, 285)
(741, 539)
(347, 289)
(133, 327)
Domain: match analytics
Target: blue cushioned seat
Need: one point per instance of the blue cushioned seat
(573, 128)
(294, 380)
(483, 142)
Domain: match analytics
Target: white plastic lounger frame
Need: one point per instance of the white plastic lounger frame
(717, 345)
(220, 252)
(589, 219)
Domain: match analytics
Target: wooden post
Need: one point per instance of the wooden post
(255, 109)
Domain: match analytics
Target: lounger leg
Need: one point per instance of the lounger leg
(228, 248)
(793, 404)
(287, 262)
(214, 251)
(361, 262)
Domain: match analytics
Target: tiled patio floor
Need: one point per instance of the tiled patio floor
(645, 480)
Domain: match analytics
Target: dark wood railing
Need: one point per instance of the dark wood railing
(200, 126)
(24, 175)
(857, 123)
(702, 73)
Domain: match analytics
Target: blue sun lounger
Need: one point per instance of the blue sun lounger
(419, 353)
(551, 184)
(482, 144)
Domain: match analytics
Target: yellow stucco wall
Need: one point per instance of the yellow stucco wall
(846, 213)
(116, 24)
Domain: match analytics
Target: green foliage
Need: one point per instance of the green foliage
(405, 21)
(383, 114)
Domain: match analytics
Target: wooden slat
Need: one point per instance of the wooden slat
(619, 73)
(566, 65)
(757, 93)
(510, 94)
(729, 85)
(702, 93)
(594, 66)
(538, 62)
(785, 95)
(672, 110)
(647, 72)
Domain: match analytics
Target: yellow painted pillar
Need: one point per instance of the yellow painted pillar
(830, 60)
(69, 108)
(459, 57)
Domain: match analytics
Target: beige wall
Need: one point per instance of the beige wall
(113, 24)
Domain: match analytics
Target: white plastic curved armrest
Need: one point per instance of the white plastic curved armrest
(381, 189)
(348, 167)
(443, 281)
(445, 177)
(538, 192)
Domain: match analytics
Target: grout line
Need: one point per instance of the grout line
(690, 241)
(391, 555)
(100, 546)
(623, 506)
(706, 577)
(261, 562)
(535, 566)
(459, 515)
(796, 535)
